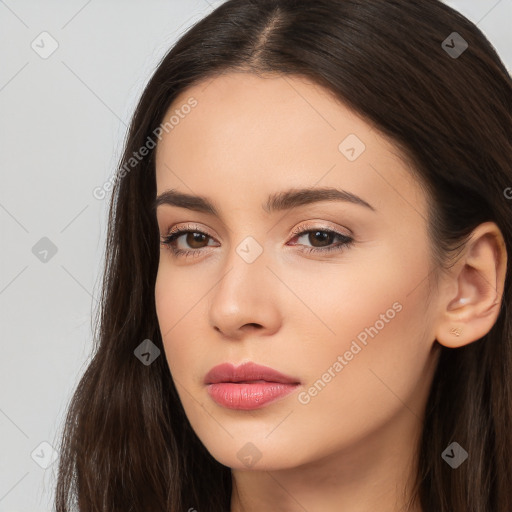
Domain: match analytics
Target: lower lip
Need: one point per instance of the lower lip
(248, 396)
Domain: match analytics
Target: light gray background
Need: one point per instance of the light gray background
(63, 120)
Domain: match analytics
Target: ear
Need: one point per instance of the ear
(471, 297)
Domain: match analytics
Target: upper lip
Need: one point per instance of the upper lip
(226, 372)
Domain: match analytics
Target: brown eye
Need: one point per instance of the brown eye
(195, 239)
(321, 240)
(321, 237)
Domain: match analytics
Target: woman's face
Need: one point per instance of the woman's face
(352, 324)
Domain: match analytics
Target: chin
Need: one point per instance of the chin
(256, 456)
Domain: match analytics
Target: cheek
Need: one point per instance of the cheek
(179, 293)
(181, 312)
(379, 357)
(359, 298)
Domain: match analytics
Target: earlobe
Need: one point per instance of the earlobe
(456, 331)
(471, 303)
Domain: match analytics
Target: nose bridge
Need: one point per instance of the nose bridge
(245, 265)
(243, 295)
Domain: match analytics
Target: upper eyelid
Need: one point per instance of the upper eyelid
(188, 228)
(303, 227)
(300, 229)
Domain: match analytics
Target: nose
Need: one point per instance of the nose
(246, 299)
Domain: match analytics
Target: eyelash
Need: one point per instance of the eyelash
(174, 234)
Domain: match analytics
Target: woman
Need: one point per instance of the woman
(306, 303)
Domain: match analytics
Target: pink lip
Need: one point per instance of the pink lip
(249, 386)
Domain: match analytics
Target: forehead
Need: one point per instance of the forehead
(274, 110)
(259, 133)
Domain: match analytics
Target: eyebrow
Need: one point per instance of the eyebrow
(286, 200)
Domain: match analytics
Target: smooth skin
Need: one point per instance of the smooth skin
(351, 447)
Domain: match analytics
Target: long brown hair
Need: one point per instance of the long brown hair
(127, 443)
